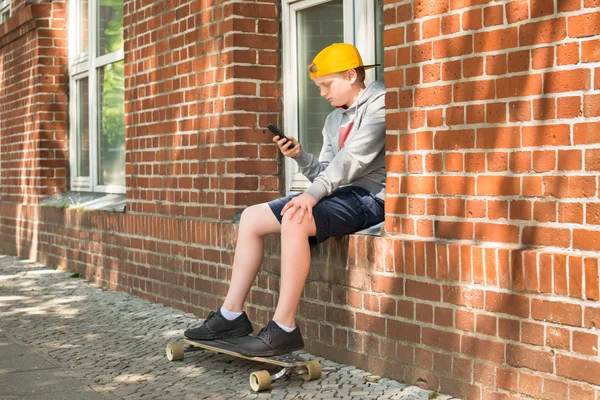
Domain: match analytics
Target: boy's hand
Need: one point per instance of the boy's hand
(285, 144)
(301, 206)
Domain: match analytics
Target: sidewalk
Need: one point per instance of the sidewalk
(62, 338)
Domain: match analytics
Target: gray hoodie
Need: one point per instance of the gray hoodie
(361, 162)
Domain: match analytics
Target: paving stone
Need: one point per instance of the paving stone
(114, 344)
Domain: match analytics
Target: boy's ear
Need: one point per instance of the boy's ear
(352, 75)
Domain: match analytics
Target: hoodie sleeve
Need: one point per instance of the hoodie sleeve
(361, 148)
(308, 163)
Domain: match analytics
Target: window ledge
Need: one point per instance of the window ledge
(87, 201)
(374, 230)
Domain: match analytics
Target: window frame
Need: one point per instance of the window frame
(359, 30)
(81, 66)
(5, 5)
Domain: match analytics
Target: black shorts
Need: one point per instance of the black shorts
(347, 210)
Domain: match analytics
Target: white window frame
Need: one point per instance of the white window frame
(86, 65)
(359, 30)
(5, 5)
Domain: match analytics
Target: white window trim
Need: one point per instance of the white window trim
(4, 6)
(86, 66)
(360, 32)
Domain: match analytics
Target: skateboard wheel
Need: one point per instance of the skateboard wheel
(314, 370)
(174, 352)
(260, 380)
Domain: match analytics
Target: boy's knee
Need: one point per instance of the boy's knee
(250, 215)
(292, 227)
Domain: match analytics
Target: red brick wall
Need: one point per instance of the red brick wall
(33, 103)
(485, 284)
(203, 81)
(493, 190)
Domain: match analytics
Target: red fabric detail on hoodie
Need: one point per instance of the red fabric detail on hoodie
(344, 132)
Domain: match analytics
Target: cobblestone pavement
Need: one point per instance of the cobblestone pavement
(113, 345)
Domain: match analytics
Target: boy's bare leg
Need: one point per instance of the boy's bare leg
(256, 222)
(295, 264)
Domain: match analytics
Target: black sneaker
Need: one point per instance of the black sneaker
(216, 326)
(272, 341)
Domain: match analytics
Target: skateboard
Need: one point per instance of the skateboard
(291, 364)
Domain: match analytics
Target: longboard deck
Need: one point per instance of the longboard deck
(227, 346)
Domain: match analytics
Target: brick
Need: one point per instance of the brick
(591, 105)
(584, 25)
(518, 61)
(586, 133)
(546, 236)
(592, 291)
(532, 333)
(403, 331)
(578, 80)
(444, 340)
(590, 51)
(483, 349)
(507, 379)
(422, 290)
(496, 233)
(555, 311)
(578, 369)
(451, 70)
(567, 54)
(586, 239)
(509, 329)
(522, 356)
(438, 95)
(486, 324)
(569, 5)
(498, 185)
(530, 384)
(475, 90)
(472, 19)
(454, 47)
(569, 107)
(544, 109)
(579, 392)
(463, 297)
(585, 343)
(517, 11)
(496, 64)
(558, 338)
(570, 160)
(519, 85)
(500, 39)
(542, 57)
(542, 32)
(554, 388)
(424, 8)
(511, 304)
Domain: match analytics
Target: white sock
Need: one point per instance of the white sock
(229, 315)
(285, 328)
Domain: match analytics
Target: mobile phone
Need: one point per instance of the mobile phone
(277, 132)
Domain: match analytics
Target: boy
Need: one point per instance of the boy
(345, 196)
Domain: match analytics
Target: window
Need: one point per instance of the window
(97, 96)
(308, 27)
(4, 10)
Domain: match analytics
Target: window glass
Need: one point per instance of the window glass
(83, 128)
(4, 11)
(111, 125)
(317, 28)
(82, 27)
(110, 26)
